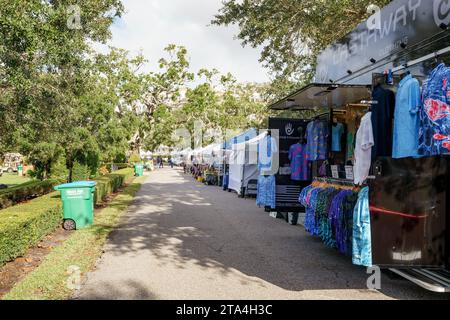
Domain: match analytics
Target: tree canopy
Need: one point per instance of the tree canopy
(292, 32)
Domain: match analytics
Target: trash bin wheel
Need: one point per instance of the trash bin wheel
(69, 225)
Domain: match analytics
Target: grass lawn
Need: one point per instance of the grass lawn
(49, 281)
(12, 179)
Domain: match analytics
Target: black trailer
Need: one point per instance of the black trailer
(289, 132)
(409, 197)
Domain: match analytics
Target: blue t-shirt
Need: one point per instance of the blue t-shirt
(337, 132)
(362, 238)
(406, 120)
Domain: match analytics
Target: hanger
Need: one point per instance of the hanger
(437, 59)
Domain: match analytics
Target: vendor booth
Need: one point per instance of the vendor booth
(227, 149)
(379, 158)
(243, 167)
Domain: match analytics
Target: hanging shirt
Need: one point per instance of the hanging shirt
(363, 149)
(267, 149)
(382, 117)
(350, 146)
(434, 132)
(362, 241)
(337, 132)
(299, 162)
(266, 192)
(317, 140)
(406, 120)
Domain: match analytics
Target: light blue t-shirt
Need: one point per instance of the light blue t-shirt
(337, 131)
(362, 237)
(406, 120)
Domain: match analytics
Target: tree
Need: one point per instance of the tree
(292, 32)
(52, 93)
(218, 102)
(163, 91)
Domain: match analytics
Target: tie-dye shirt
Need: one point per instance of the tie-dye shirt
(434, 133)
(317, 139)
(298, 156)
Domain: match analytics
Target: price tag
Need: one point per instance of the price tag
(335, 172)
(349, 173)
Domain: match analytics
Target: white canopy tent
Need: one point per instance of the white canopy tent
(244, 163)
(211, 153)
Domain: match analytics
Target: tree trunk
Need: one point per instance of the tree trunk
(47, 167)
(69, 163)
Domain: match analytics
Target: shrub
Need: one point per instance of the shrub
(23, 192)
(24, 225)
(59, 171)
(110, 183)
(80, 172)
(118, 165)
(134, 158)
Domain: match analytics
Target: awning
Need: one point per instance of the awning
(323, 96)
(249, 134)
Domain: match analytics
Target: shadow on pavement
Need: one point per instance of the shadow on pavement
(181, 222)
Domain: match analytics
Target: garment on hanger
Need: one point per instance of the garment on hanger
(434, 133)
(350, 146)
(337, 131)
(329, 215)
(300, 166)
(266, 192)
(406, 120)
(317, 136)
(363, 149)
(382, 120)
(267, 149)
(362, 240)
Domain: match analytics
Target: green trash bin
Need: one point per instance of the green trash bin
(138, 170)
(20, 170)
(78, 204)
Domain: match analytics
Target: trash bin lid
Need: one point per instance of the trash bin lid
(77, 184)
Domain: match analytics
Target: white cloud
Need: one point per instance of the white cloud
(150, 25)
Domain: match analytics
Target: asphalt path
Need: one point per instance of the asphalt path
(181, 239)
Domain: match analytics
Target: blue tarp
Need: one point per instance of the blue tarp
(247, 135)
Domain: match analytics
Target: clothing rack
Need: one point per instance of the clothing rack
(323, 116)
(343, 182)
(422, 59)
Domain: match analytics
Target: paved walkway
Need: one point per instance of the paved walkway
(184, 240)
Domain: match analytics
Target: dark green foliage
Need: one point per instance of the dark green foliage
(24, 225)
(26, 191)
(80, 172)
(110, 183)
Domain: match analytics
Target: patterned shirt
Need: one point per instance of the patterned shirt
(299, 163)
(317, 138)
(266, 193)
(434, 132)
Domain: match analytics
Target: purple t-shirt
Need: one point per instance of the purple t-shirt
(298, 156)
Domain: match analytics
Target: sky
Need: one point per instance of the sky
(150, 25)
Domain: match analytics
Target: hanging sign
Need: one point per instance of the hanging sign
(335, 172)
(397, 28)
(349, 173)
